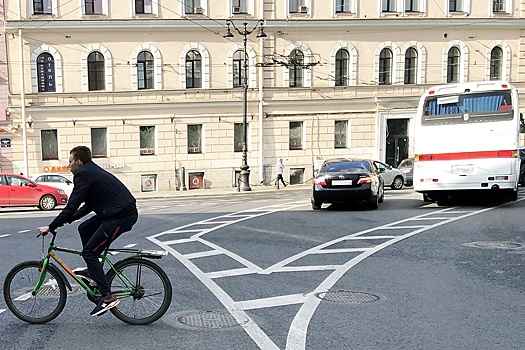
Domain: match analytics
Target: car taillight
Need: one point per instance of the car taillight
(320, 181)
(364, 180)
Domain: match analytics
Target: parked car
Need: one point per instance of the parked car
(348, 181)
(54, 180)
(407, 166)
(393, 177)
(19, 191)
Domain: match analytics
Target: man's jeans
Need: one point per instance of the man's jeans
(97, 234)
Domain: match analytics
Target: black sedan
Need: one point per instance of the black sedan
(348, 181)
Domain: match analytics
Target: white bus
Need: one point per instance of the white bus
(466, 139)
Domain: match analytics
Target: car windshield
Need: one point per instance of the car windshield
(346, 167)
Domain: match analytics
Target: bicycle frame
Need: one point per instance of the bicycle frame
(91, 291)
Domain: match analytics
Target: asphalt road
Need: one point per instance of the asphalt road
(267, 272)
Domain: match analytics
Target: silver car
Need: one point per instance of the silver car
(393, 177)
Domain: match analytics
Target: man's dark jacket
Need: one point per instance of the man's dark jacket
(101, 192)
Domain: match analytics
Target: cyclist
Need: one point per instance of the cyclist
(115, 213)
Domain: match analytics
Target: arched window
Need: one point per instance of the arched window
(341, 67)
(96, 74)
(385, 67)
(238, 68)
(453, 65)
(145, 70)
(496, 63)
(410, 66)
(295, 70)
(46, 72)
(193, 69)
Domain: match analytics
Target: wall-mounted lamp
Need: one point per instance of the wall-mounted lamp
(220, 119)
(74, 122)
(30, 121)
(123, 121)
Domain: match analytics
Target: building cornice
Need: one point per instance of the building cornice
(273, 24)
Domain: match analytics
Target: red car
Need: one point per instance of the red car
(19, 191)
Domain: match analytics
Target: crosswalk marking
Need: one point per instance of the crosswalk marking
(6, 235)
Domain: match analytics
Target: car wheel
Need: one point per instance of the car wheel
(381, 194)
(374, 202)
(47, 202)
(316, 205)
(397, 184)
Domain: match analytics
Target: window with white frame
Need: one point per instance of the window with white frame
(385, 67)
(194, 138)
(143, 6)
(193, 69)
(147, 140)
(49, 139)
(496, 63)
(342, 6)
(295, 68)
(341, 134)
(296, 136)
(299, 6)
(96, 71)
(238, 68)
(462, 6)
(239, 6)
(388, 6)
(502, 6)
(410, 76)
(145, 70)
(41, 7)
(453, 65)
(412, 6)
(193, 7)
(342, 63)
(94, 7)
(99, 142)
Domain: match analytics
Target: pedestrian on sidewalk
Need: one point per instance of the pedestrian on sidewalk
(280, 169)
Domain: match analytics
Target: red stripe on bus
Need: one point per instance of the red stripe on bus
(468, 155)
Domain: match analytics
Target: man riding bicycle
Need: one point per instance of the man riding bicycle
(115, 213)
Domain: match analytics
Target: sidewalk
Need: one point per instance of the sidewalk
(219, 191)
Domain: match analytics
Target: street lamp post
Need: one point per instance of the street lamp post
(244, 176)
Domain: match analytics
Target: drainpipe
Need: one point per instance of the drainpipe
(23, 100)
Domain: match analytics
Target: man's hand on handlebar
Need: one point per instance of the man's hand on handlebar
(44, 231)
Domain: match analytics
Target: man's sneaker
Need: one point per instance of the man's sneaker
(104, 304)
(86, 277)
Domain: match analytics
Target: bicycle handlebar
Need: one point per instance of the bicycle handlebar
(54, 233)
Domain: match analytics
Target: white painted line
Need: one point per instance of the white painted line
(308, 268)
(179, 241)
(202, 254)
(272, 302)
(129, 245)
(230, 273)
(343, 250)
(370, 237)
(431, 218)
(23, 231)
(6, 235)
(396, 227)
(2, 310)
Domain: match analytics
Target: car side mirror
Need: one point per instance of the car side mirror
(68, 182)
(382, 170)
(30, 184)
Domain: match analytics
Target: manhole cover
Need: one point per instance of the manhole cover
(209, 319)
(348, 296)
(493, 245)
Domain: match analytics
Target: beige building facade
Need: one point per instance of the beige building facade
(154, 88)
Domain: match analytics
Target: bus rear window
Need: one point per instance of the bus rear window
(471, 103)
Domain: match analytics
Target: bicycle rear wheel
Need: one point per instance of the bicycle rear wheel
(150, 295)
(43, 307)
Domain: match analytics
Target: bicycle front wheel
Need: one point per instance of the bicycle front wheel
(43, 307)
(147, 298)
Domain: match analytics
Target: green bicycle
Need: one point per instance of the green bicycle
(35, 291)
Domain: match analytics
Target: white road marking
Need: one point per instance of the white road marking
(2, 310)
(6, 235)
(129, 246)
(297, 332)
(23, 231)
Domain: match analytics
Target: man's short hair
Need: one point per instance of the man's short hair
(81, 153)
